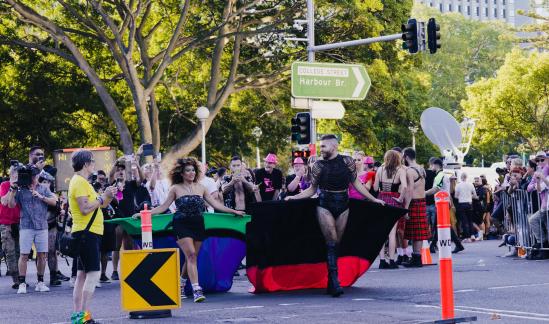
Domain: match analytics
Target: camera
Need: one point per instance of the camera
(97, 186)
(25, 173)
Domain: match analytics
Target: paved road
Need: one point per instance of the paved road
(485, 284)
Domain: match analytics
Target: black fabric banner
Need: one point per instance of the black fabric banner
(287, 234)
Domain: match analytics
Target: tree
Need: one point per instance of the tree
(142, 39)
(537, 32)
(470, 50)
(514, 105)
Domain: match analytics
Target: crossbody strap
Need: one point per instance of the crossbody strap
(91, 220)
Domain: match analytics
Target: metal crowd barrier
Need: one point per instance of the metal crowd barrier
(518, 207)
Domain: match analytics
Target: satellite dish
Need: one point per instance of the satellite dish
(441, 129)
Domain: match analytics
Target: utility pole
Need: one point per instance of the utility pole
(312, 47)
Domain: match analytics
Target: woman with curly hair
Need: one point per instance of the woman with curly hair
(188, 223)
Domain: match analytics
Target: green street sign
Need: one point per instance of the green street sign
(329, 81)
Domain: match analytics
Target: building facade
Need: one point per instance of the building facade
(488, 10)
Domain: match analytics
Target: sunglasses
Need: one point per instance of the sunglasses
(358, 160)
(540, 160)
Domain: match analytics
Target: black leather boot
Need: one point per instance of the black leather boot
(334, 288)
(414, 262)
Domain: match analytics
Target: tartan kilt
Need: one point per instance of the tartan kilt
(417, 227)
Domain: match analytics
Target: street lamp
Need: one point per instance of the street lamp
(414, 130)
(202, 113)
(257, 133)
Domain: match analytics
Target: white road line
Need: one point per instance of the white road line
(228, 308)
(506, 311)
(504, 315)
(290, 304)
(491, 312)
(519, 286)
(465, 290)
(362, 299)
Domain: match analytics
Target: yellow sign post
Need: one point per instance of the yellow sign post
(150, 280)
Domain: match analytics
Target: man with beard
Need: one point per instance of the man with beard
(417, 228)
(239, 190)
(332, 175)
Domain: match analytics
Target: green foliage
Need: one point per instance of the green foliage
(513, 106)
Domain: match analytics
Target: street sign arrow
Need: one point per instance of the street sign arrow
(329, 81)
(140, 279)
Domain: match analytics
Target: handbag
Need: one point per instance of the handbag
(69, 245)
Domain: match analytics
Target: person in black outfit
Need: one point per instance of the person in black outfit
(269, 179)
(131, 197)
(332, 175)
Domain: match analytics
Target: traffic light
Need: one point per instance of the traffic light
(303, 154)
(410, 36)
(301, 128)
(433, 35)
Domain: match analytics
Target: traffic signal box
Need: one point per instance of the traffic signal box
(433, 34)
(303, 154)
(301, 128)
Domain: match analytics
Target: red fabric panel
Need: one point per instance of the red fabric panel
(305, 276)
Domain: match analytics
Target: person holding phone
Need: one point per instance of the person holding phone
(239, 190)
(37, 158)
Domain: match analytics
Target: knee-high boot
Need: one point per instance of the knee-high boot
(334, 288)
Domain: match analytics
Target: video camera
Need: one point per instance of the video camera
(24, 173)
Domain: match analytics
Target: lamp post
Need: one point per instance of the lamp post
(257, 133)
(202, 113)
(414, 130)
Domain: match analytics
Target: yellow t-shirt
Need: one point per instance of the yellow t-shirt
(80, 187)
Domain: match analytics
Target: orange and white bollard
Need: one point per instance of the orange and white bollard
(146, 229)
(442, 200)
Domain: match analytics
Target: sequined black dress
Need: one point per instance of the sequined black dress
(188, 220)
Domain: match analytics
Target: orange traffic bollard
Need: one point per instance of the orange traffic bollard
(442, 200)
(146, 229)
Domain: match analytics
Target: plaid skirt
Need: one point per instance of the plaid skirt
(417, 227)
(387, 197)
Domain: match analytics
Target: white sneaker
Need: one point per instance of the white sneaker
(41, 287)
(72, 281)
(98, 285)
(22, 288)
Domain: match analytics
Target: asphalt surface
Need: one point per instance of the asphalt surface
(495, 289)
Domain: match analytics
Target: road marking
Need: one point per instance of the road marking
(465, 290)
(362, 299)
(519, 286)
(228, 308)
(506, 311)
(290, 304)
(488, 311)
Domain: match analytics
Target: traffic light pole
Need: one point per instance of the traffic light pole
(312, 48)
(311, 58)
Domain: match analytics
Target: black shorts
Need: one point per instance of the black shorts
(192, 227)
(89, 255)
(108, 241)
(335, 202)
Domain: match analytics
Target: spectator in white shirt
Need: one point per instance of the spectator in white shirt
(465, 193)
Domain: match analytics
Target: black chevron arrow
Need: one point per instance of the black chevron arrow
(140, 279)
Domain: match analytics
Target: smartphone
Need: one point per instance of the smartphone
(148, 150)
(159, 157)
(41, 159)
(14, 163)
